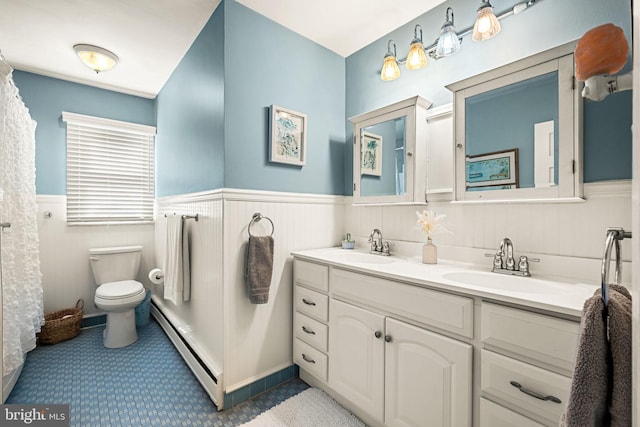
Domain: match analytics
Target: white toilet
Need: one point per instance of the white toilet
(118, 294)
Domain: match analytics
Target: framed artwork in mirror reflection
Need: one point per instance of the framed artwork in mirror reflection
(371, 154)
(288, 136)
(498, 169)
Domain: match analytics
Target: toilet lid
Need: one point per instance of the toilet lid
(118, 290)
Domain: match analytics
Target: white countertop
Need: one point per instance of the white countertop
(558, 295)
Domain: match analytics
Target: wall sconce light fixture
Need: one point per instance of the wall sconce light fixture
(390, 69)
(96, 58)
(487, 25)
(448, 42)
(416, 58)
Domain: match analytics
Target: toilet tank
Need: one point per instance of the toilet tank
(115, 264)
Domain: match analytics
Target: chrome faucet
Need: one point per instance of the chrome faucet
(506, 253)
(505, 263)
(378, 247)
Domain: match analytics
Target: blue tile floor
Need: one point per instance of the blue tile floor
(145, 384)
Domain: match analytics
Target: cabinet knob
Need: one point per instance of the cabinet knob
(387, 338)
(378, 334)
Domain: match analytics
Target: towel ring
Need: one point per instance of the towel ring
(614, 236)
(256, 218)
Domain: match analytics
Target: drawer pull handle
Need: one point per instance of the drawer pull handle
(306, 301)
(308, 331)
(306, 359)
(533, 393)
(378, 334)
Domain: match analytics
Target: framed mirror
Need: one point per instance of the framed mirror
(518, 131)
(386, 157)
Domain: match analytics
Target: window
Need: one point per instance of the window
(110, 170)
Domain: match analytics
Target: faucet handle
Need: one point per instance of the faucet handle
(497, 261)
(386, 248)
(523, 265)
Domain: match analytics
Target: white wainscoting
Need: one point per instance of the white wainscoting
(565, 229)
(256, 339)
(64, 253)
(199, 320)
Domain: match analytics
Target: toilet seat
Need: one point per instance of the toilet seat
(119, 290)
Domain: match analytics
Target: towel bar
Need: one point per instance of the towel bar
(614, 236)
(256, 218)
(196, 216)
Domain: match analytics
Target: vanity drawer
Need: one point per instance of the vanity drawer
(498, 372)
(312, 275)
(493, 415)
(310, 359)
(311, 331)
(534, 336)
(312, 303)
(444, 311)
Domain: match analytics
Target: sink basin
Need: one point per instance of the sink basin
(364, 258)
(504, 282)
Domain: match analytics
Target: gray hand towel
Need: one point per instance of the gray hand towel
(601, 388)
(258, 268)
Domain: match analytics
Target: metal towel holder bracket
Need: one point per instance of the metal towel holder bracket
(614, 236)
(256, 218)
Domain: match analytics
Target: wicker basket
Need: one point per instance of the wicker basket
(61, 325)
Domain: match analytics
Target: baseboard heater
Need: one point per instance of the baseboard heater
(211, 382)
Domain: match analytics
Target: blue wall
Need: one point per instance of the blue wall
(190, 117)
(213, 113)
(548, 24)
(47, 98)
(291, 71)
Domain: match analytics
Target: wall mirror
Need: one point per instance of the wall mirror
(388, 165)
(518, 131)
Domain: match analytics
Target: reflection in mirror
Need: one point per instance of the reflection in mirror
(382, 158)
(518, 131)
(511, 135)
(387, 144)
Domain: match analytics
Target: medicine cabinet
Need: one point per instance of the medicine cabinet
(518, 131)
(390, 152)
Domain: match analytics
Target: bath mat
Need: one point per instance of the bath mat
(310, 408)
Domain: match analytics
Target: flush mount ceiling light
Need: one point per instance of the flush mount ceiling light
(448, 43)
(487, 25)
(416, 58)
(96, 58)
(390, 69)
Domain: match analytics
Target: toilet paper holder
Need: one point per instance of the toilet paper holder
(156, 276)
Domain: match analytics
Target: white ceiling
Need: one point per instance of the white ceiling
(151, 36)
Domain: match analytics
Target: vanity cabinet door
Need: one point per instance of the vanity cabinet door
(356, 353)
(428, 378)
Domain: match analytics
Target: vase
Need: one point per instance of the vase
(429, 253)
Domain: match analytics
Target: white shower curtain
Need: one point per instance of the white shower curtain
(19, 256)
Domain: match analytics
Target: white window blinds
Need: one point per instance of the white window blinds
(110, 170)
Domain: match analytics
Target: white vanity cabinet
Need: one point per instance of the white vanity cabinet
(396, 371)
(310, 317)
(526, 363)
(403, 351)
(381, 357)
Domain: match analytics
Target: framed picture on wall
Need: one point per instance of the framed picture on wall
(371, 154)
(499, 168)
(288, 139)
